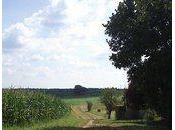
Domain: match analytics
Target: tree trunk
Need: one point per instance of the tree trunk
(109, 115)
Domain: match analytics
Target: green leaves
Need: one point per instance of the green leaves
(138, 28)
(143, 28)
(111, 98)
(21, 107)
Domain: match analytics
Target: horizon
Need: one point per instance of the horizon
(59, 88)
(58, 43)
(28, 87)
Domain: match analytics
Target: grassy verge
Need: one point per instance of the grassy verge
(66, 121)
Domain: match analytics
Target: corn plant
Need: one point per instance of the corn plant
(20, 107)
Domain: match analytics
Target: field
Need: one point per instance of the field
(26, 107)
(80, 119)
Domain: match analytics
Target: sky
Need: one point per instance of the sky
(58, 44)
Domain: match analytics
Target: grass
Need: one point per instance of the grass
(104, 128)
(66, 121)
(81, 101)
(80, 117)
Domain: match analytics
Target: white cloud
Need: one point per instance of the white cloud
(82, 64)
(10, 71)
(54, 2)
(67, 40)
(54, 58)
(37, 57)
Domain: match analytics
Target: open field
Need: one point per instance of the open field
(81, 101)
(80, 119)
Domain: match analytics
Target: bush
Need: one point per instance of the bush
(150, 116)
(89, 105)
(21, 107)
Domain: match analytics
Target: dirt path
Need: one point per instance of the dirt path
(80, 112)
(89, 124)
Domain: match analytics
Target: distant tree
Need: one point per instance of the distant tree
(80, 90)
(89, 105)
(108, 98)
(140, 34)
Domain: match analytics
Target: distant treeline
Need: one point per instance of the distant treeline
(78, 91)
(70, 92)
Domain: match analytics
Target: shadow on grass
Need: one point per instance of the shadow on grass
(130, 121)
(105, 128)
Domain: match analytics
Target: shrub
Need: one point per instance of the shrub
(89, 105)
(150, 115)
(20, 107)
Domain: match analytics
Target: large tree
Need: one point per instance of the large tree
(140, 38)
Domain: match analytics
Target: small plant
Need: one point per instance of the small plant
(150, 115)
(89, 105)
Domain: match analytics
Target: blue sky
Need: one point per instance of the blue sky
(16, 10)
(58, 43)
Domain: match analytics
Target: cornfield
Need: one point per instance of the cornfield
(21, 106)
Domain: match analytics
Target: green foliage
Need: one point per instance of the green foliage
(78, 118)
(134, 98)
(89, 105)
(150, 115)
(110, 99)
(141, 42)
(120, 112)
(23, 107)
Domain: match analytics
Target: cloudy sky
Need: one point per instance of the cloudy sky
(58, 43)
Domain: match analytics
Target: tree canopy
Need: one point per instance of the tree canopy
(80, 90)
(140, 38)
(108, 98)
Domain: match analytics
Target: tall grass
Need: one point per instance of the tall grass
(21, 107)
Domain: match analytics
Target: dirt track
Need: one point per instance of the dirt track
(80, 112)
